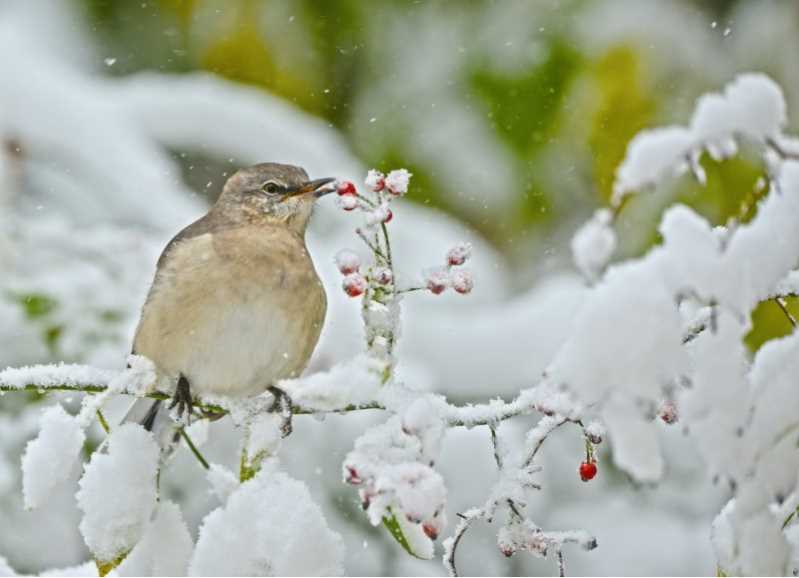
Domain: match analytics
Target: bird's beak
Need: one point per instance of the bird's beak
(316, 186)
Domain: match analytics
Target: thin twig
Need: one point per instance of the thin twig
(372, 247)
(561, 564)
(388, 245)
(460, 530)
(193, 448)
(783, 305)
(103, 422)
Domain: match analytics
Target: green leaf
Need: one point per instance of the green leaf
(409, 536)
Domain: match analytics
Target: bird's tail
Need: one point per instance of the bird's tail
(154, 417)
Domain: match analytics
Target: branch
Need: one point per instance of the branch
(451, 544)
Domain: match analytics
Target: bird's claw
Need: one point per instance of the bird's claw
(282, 405)
(183, 400)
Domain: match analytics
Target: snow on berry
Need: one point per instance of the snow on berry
(668, 412)
(348, 202)
(380, 214)
(594, 432)
(462, 281)
(354, 285)
(587, 471)
(375, 180)
(383, 275)
(458, 254)
(346, 188)
(347, 261)
(397, 181)
(437, 281)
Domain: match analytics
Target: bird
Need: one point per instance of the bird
(236, 304)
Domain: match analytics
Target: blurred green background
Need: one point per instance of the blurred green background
(539, 90)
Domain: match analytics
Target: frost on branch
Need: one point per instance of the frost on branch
(117, 492)
(269, 526)
(51, 457)
(751, 107)
(353, 382)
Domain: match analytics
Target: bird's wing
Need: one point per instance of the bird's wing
(201, 226)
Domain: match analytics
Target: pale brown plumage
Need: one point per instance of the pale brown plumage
(236, 304)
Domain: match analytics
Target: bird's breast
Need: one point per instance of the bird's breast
(234, 312)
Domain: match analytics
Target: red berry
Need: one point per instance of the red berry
(507, 551)
(389, 216)
(668, 412)
(436, 288)
(430, 530)
(354, 285)
(587, 471)
(352, 476)
(346, 188)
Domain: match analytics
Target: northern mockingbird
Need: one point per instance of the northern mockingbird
(236, 304)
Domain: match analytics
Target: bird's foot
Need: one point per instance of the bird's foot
(282, 405)
(182, 399)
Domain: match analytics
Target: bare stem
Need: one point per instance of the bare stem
(193, 448)
(780, 301)
(103, 422)
(464, 524)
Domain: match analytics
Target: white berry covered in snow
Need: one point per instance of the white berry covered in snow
(347, 262)
(347, 202)
(381, 214)
(437, 281)
(459, 254)
(384, 276)
(354, 285)
(375, 180)
(462, 281)
(397, 181)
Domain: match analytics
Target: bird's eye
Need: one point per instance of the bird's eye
(271, 187)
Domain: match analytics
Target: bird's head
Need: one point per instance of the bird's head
(272, 192)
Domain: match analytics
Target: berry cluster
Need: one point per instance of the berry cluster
(380, 190)
(438, 279)
(384, 187)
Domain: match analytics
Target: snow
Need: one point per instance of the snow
(752, 106)
(630, 316)
(459, 253)
(436, 279)
(223, 482)
(264, 436)
(50, 458)
(269, 526)
(375, 180)
(397, 181)
(56, 375)
(5, 569)
(354, 381)
(165, 547)
(593, 244)
(117, 492)
(462, 281)
(347, 261)
(347, 202)
(651, 156)
(140, 378)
